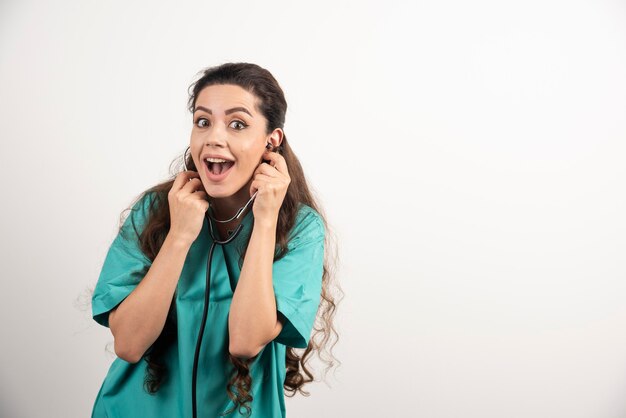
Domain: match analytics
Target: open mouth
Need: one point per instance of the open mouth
(219, 168)
(217, 171)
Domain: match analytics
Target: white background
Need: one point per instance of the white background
(469, 156)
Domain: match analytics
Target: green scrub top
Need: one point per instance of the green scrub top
(297, 283)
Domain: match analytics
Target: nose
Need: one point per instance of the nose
(215, 137)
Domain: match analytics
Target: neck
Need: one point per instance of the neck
(226, 207)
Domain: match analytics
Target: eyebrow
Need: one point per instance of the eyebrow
(227, 111)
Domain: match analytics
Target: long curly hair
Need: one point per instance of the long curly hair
(272, 104)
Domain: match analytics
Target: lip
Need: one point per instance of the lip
(205, 156)
(216, 177)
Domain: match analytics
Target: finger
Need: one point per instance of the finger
(276, 160)
(203, 197)
(183, 178)
(264, 177)
(256, 185)
(192, 185)
(265, 168)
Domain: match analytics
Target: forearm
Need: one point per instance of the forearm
(252, 314)
(139, 319)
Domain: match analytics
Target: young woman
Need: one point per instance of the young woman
(216, 276)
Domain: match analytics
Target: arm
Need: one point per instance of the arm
(253, 321)
(138, 321)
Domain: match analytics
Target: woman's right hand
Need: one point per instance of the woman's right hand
(188, 204)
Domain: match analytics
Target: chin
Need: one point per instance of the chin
(218, 190)
(225, 188)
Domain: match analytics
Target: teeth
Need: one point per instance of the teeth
(216, 160)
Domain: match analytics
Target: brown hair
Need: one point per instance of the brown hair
(271, 104)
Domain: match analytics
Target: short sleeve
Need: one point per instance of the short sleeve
(124, 265)
(297, 279)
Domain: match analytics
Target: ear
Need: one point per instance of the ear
(276, 137)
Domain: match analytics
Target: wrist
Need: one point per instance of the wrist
(268, 224)
(177, 241)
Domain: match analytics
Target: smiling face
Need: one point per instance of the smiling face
(226, 123)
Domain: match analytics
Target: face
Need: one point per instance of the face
(235, 134)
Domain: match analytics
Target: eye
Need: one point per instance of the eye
(200, 125)
(243, 125)
(203, 123)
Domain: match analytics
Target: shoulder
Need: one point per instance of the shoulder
(144, 204)
(139, 213)
(145, 201)
(308, 225)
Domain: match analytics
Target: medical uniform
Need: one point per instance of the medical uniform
(297, 283)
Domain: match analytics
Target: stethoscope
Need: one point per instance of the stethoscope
(207, 291)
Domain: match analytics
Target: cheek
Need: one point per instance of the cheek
(194, 149)
(246, 167)
(200, 165)
(248, 158)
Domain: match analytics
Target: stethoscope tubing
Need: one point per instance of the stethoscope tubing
(208, 215)
(207, 294)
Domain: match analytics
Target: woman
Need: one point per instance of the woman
(224, 349)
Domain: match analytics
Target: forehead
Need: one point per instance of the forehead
(219, 97)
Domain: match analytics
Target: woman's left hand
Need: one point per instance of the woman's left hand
(271, 180)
